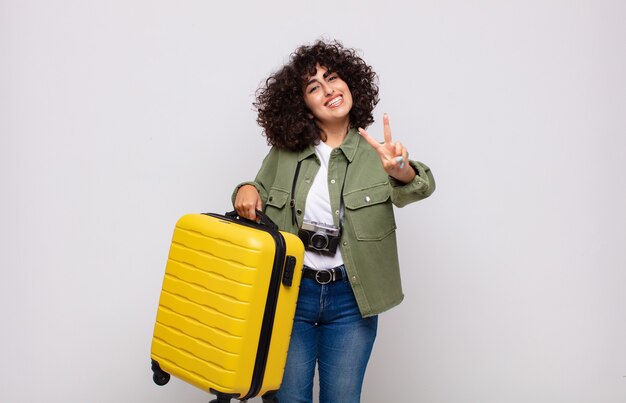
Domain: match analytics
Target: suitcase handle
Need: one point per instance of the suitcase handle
(263, 219)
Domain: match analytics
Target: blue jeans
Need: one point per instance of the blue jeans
(328, 330)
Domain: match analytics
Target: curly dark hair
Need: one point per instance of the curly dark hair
(282, 113)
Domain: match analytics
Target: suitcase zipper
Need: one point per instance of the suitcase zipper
(268, 316)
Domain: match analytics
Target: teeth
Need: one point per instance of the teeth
(335, 101)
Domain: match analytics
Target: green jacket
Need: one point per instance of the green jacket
(368, 244)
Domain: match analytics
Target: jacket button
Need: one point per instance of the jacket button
(367, 199)
(332, 181)
(271, 198)
(298, 211)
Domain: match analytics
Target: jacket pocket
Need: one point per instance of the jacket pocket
(371, 212)
(276, 206)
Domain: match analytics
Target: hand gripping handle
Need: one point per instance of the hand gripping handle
(262, 219)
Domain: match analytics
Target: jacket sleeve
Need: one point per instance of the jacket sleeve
(422, 186)
(264, 178)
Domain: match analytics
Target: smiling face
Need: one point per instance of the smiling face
(328, 98)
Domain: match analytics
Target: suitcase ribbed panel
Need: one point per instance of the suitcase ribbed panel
(212, 305)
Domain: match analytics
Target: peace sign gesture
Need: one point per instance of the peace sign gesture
(393, 155)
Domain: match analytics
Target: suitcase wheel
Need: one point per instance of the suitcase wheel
(222, 399)
(159, 376)
(161, 379)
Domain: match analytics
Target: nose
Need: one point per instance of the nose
(328, 90)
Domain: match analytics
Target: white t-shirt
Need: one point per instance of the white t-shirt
(318, 210)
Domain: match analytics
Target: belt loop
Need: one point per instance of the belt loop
(342, 270)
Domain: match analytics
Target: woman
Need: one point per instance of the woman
(326, 179)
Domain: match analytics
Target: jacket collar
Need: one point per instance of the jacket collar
(348, 147)
(350, 144)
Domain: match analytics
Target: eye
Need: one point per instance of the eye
(312, 88)
(333, 77)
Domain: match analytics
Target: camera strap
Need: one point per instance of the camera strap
(292, 202)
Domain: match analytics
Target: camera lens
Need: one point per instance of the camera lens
(319, 241)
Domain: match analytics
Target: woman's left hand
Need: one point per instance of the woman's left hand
(393, 155)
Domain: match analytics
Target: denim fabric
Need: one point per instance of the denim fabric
(328, 330)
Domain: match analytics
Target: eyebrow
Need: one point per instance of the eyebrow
(314, 80)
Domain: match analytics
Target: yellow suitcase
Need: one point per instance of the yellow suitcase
(227, 305)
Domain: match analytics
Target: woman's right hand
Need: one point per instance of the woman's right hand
(247, 202)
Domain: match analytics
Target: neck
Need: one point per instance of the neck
(335, 134)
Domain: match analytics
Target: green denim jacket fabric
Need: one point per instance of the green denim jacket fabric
(368, 244)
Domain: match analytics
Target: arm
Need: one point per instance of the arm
(250, 196)
(410, 180)
(420, 187)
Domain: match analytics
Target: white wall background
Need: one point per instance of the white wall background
(117, 117)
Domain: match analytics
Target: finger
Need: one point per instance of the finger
(239, 206)
(405, 157)
(254, 206)
(244, 210)
(371, 140)
(397, 155)
(386, 128)
(257, 207)
(399, 148)
(247, 212)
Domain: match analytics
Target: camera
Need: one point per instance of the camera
(320, 237)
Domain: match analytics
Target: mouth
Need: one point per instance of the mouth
(335, 102)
